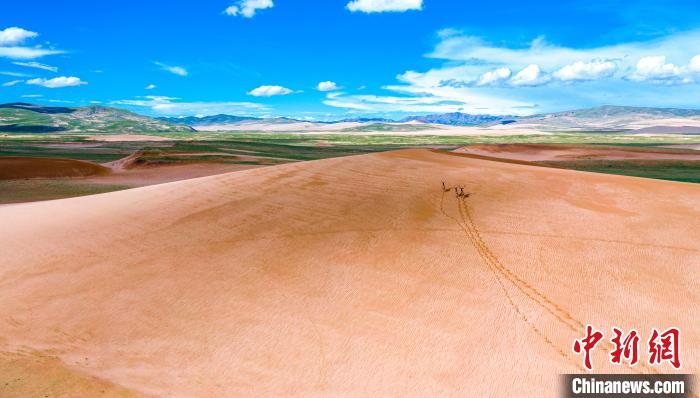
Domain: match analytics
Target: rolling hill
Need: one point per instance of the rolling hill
(29, 118)
(610, 117)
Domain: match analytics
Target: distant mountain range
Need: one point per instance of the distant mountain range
(599, 117)
(207, 120)
(607, 117)
(30, 118)
(457, 119)
(20, 117)
(616, 111)
(453, 119)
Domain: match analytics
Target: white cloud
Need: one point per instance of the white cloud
(653, 61)
(493, 77)
(474, 77)
(247, 8)
(420, 104)
(10, 45)
(150, 87)
(583, 71)
(14, 35)
(12, 83)
(14, 74)
(385, 103)
(37, 65)
(269, 91)
(32, 96)
(370, 6)
(26, 52)
(327, 86)
(656, 70)
(458, 47)
(530, 75)
(170, 106)
(176, 70)
(694, 65)
(57, 82)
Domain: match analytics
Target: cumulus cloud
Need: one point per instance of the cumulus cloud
(524, 78)
(37, 65)
(370, 6)
(656, 69)
(633, 61)
(12, 83)
(583, 71)
(176, 70)
(171, 106)
(269, 91)
(14, 35)
(694, 65)
(530, 75)
(57, 82)
(247, 8)
(150, 87)
(327, 86)
(11, 40)
(494, 76)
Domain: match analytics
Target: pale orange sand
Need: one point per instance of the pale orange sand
(352, 276)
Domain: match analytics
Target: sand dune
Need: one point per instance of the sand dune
(17, 167)
(353, 276)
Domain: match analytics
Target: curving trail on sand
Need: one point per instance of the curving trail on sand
(349, 276)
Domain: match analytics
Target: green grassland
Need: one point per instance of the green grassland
(266, 148)
(17, 191)
(673, 170)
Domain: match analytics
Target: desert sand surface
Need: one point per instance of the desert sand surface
(159, 174)
(29, 179)
(354, 276)
(127, 170)
(131, 172)
(557, 152)
(17, 167)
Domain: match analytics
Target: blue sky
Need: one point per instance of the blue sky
(345, 58)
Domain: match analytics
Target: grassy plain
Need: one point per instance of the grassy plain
(265, 148)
